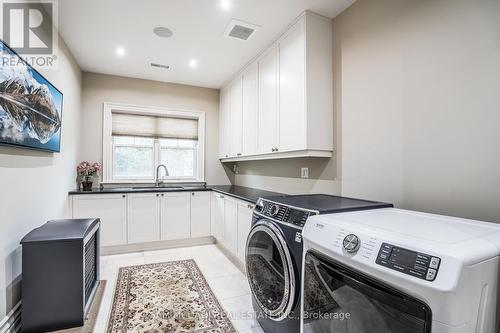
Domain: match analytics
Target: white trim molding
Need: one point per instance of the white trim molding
(12, 322)
(107, 142)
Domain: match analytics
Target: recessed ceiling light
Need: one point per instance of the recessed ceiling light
(163, 32)
(193, 63)
(120, 51)
(225, 4)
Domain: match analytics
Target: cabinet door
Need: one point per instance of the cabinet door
(250, 109)
(143, 216)
(244, 224)
(236, 117)
(175, 215)
(291, 88)
(267, 101)
(219, 217)
(231, 225)
(111, 209)
(224, 108)
(200, 214)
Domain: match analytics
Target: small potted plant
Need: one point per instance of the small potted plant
(87, 171)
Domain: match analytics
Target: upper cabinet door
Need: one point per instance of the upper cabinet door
(143, 215)
(291, 88)
(224, 109)
(236, 117)
(268, 104)
(250, 109)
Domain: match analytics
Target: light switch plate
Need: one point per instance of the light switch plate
(304, 172)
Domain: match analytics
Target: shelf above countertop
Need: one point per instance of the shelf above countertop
(240, 192)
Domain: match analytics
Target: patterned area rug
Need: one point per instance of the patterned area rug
(166, 297)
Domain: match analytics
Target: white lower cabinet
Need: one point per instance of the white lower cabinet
(231, 225)
(244, 221)
(218, 207)
(175, 215)
(200, 214)
(143, 216)
(148, 217)
(111, 209)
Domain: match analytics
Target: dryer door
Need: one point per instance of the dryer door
(339, 299)
(269, 270)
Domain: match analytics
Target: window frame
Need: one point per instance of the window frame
(108, 144)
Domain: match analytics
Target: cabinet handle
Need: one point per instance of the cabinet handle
(162, 194)
(239, 154)
(222, 197)
(124, 196)
(276, 148)
(157, 195)
(192, 193)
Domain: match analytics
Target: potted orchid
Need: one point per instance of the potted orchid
(87, 171)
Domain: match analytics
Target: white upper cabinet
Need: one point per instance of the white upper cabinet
(250, 109)
(268, 102)
(224, 142)
(289, 89)
(236, 114)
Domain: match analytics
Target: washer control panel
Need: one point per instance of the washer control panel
(420, 265)
(283, 213)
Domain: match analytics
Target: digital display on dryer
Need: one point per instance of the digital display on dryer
(403, 257)
(417, 264)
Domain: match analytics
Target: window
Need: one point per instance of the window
(137, 140)
(133, 158)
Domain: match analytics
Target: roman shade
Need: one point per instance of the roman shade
(161, 127)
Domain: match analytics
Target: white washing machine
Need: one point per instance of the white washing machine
(392, 270)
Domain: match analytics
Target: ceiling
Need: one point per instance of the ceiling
(95, 29)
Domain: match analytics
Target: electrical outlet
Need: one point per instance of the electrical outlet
(304, 172)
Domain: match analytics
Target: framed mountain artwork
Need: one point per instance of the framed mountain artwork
(30, 106)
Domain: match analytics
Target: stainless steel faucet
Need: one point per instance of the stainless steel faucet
(158, 182)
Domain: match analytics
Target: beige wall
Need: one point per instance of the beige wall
(100, 88)
(35, 184)
(417, 116)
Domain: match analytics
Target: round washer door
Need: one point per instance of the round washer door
(269, 270)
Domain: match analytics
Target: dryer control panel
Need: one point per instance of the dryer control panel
(420, 265)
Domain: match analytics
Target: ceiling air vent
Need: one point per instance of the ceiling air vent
(240, 30)
(159, 66)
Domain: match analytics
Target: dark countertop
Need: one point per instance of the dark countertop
(244, 193)
(240, 192)
(128, 189)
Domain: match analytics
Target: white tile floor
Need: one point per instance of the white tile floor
(229, 285)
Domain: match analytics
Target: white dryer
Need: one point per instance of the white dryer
(392, 270)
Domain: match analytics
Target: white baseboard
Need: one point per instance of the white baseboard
(159, 245)
(232, 258)
(12, 322)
